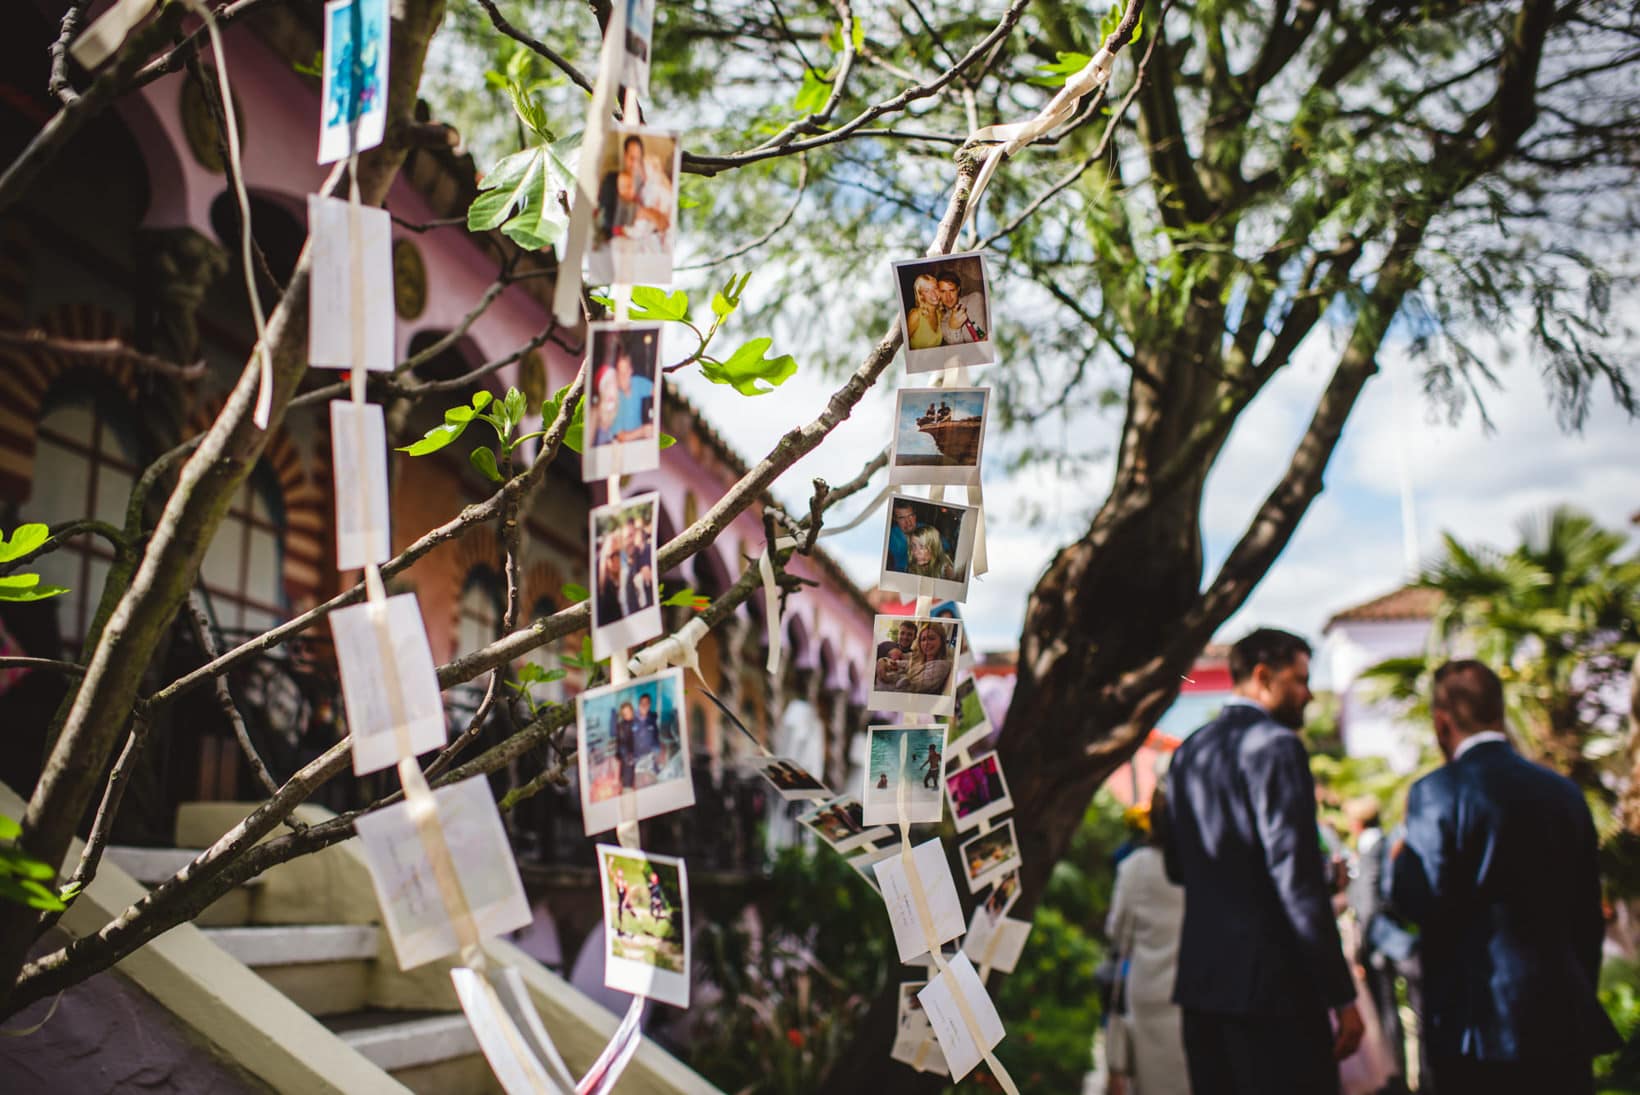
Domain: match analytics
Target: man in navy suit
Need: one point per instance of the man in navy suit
(1498, 869)
(1262, 975)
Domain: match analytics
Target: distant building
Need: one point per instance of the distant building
(1394, 625)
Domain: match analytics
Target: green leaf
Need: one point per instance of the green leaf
(575, 433)
(748, 371)
(722, 306)
(20, 588)
(683, 598)
(649, 302)
(811, 97)
(484, 460)
(24, 539)
(667, 441)
(574, 592)
(481, 399)
(70, 892)
(859, 34)
(1066, 66)
(514, 405)
(314, 68)
(30, 893)
(503, 190)
(21, 865)
(520, 197)
(435, 438)
(9, 828)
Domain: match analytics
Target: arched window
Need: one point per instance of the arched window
(85, 463)
(243, 571)
(482, 604)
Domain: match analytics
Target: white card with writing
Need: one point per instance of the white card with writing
(411, 904)
(939, 892)
(358, 444)
(332, 311)
(962, 1051)
(994, 942)
(389, 684)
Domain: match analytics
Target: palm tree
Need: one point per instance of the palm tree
(1558, 616)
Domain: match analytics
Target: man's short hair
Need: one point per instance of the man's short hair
(1266, 646)
(949, 275)
(1471, 693)
(631, 139)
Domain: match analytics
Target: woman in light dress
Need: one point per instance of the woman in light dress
(922, 321)
(1145, 1045)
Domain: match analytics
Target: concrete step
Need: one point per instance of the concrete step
(323, 968)
(151, 866)
(430, 1053)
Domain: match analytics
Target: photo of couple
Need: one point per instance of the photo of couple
(632, 742)
(945, 312)
(916, 664)
(622, 432)
(625, 587)
(646, 924)
(633, 228)
(927, 547)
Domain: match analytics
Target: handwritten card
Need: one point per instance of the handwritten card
(332, 309)
(963, 1047)
(358, 442)
(389, 684)
(938, 892)
(353, 87)
(995, 942)
(407, 890)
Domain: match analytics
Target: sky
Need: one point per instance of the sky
(1351, 545)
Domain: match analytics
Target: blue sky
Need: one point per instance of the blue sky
(912, 440)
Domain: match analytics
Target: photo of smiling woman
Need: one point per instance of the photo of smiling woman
(928, 548)
(916, 667)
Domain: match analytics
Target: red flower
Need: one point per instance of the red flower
(795, 1037)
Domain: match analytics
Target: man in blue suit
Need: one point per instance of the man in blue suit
(1498, 869)
(1269, 1005)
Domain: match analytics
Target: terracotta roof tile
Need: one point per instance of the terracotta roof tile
(1406, 603)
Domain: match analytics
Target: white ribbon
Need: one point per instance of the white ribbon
(679, 648)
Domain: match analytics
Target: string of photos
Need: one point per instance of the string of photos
(440, 861)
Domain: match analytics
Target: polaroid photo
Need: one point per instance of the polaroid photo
(978, 792)
(945, 312)
(623, 409)
(513, 1060)
(951, 610)
(640, 33)
(389, 683)
(1002, 896)
(916, 669)
(939, 434)
(340, 327)
(914, 1041)
(939, 892)
(354, 82)
(903, 765)
(626, 606)
(840, 822)
(358, 443)
(791, 780)
(633, 751)
(928, 547)
(865, 857)
(412, 905)
(989, 856)
(949, 1020)
(970, 725)
(646, 924)
(634, 227)
(995, 943)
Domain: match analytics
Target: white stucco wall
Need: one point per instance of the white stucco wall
(1373, 727)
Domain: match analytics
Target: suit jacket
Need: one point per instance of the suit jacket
(1259, 935)
(1499, 871)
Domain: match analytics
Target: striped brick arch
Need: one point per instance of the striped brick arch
(542, 580)
(307, 511)
(27, 373)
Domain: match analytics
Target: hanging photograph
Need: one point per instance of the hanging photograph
(951, 610)
(989, 856)
(945, 312)
(412, 905)
(978, 792)
(646, 924)
(840, 822)
(389, 683)
(971, 726)
(625, 588)
(914, 1041)
(635, 225)
(354, 82)
(903, 767)
(1004, 892)
(623, 403)
(633, 751)
(916, 665)
(640, 33)
(340, 327)
(928, 547)
(791, 780)
(938, 435)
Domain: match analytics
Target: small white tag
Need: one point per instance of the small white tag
(358, 443)
(939, 1002)
(939, 892)
(332, 310)
(366, 681)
